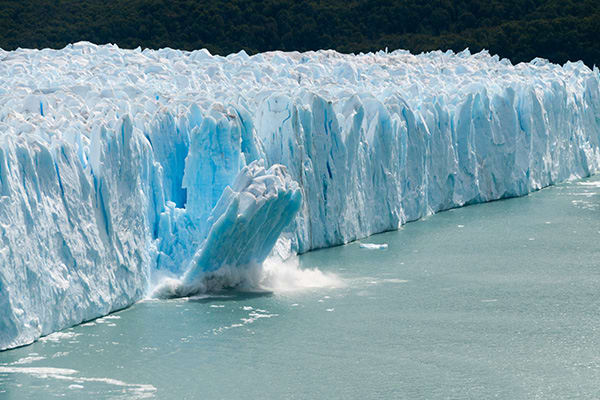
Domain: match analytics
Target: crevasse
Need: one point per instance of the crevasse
(120, 167)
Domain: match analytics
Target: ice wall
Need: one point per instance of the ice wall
(74, 244)
(112, 161)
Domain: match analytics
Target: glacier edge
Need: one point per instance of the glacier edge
(115, 181)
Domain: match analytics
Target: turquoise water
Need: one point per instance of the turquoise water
(498, 300)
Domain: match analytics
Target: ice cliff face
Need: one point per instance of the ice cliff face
(121, 166)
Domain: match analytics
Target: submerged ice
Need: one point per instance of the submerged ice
(125, 169)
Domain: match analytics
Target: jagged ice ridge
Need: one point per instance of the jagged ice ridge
(119, 168)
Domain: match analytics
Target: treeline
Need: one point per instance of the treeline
(521, 30)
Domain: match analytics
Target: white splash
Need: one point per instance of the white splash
(274, 275)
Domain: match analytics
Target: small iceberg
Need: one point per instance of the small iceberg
(373, 246)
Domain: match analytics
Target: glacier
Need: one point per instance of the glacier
(126, 173)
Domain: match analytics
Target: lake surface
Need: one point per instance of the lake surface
(498, 300)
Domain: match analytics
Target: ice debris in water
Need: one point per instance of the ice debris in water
(119, 167)
(373, 246)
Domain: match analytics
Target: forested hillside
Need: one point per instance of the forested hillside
(559, 30)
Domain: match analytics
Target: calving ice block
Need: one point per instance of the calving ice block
(121, 168)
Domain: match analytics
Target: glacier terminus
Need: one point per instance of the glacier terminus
(131, 173)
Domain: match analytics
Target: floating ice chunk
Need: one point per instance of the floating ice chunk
(28, 360)
(67, 374)
(75, 386)
(58, 336)
(373, 246)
